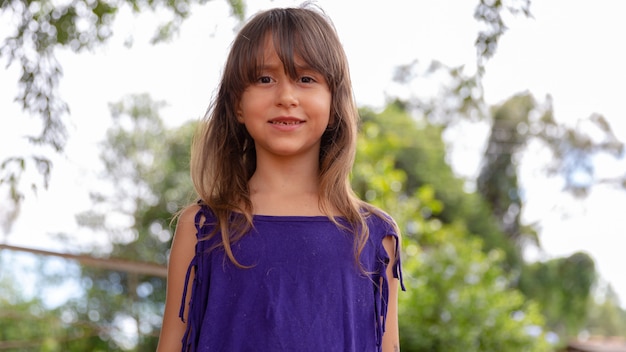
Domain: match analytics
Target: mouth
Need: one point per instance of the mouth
(286, 123)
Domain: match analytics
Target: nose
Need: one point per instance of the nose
(286, 95)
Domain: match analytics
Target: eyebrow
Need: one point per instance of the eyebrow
(299, 65)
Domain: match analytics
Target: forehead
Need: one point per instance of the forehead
(273, 54)
(269, 55)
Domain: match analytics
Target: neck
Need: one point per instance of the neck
(278, 177)
(285, 187)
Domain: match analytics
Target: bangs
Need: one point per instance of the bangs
(299, 40)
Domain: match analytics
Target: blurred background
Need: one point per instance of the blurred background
(492, 131)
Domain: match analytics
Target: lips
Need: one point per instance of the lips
(286, 121)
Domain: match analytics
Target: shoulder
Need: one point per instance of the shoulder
(386, 234)
(196, 213)
(184, 242)
(188, 214)
(186, 224)
(383, 231)
(380, 222)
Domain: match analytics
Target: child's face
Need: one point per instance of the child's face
(285, 116)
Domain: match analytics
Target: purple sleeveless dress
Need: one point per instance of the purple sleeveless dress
(304, 291)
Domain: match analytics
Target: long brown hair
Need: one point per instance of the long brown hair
(223, 155)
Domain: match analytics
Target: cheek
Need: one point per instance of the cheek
(328, 109)
(249, 104)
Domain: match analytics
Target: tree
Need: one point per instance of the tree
(421, 153)
(562, 287)
(515, 125)
(606, 317)
(28, 323)
(407, 154)
(458, 296)
(40, 28)
(146, 168)
(452, 237)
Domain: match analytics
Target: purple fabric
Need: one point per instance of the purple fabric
(304, 291)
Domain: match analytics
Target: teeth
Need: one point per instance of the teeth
(285, 123)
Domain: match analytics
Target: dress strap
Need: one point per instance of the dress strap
(381, 288)
(181, 314)
(195, 310)
(397, 266)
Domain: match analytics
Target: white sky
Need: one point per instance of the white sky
(570, 49)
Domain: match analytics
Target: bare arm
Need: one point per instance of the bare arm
(181, 254)
(391, 337)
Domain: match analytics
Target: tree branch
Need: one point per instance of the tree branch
(104, 263)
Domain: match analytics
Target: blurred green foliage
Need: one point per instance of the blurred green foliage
(458, 296)
(35, 31)
(468, 286)
(463, 292)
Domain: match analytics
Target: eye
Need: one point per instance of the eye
(307, 79)
(264, 79)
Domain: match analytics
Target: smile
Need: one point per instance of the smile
(285, 123)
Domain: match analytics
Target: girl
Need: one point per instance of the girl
(279, 254)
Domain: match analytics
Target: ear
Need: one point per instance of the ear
(239, 113)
